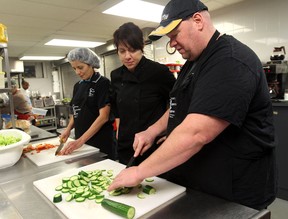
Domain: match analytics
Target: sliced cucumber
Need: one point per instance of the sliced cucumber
(57, 198)
(149, 190)
(149, 180)
(126, 190)
(99, 198)
(86, 194)
(86, 185)
(59, 188)
(74, 189)
(72, 178)
(92, 197)
(65, 179)
(69, 198)
(118, 208)
(65, 190)
(70, 184)
(83, 182)
(92, 178)
(83, 173)
(116, 192)
(87, 179)
(110, 173)
(79, 192)
(80, 199)
(141, 195)
(76, 183)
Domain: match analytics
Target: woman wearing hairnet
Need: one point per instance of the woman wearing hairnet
(90, 105)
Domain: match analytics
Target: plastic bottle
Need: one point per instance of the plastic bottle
(62, 120)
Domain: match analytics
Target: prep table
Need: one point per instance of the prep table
(20, 199)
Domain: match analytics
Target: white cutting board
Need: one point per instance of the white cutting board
(48, 156)
(165, 191)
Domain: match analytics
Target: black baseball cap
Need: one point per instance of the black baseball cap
(174, 12)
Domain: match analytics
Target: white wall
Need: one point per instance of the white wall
(266, 20)
(43, 85)
(162, 56)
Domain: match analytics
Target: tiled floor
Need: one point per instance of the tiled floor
(279, 209)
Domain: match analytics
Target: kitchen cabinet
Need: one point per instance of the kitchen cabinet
(47, 122)
(280, 111)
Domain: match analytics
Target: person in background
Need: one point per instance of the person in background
(221, 137)
(90, 105)
(25, 91)
(140, 90)
(21, 106)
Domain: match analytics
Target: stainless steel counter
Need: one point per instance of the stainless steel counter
(39, 134)
(20, 199)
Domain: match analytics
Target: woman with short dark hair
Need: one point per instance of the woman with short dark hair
(140, 90)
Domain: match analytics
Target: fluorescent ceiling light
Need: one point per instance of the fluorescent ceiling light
(231, 28)
(73, 43)
(137, 9)
(42, 58)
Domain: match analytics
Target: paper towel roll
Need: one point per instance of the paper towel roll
(55, 76)
(1, 64)
(56, 87)
(2, 79)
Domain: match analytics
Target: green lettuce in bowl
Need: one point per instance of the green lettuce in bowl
(6, 139)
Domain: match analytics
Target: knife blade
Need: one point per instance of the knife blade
(60, 147)
(130, 162)
(132, 159)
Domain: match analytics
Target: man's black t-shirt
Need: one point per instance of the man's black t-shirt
(228, 82)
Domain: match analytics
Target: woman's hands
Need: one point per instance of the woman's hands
(70, 147)
(65, 135)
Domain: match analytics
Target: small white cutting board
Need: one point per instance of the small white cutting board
(45, 157)
(165, 191)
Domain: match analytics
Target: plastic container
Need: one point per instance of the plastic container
(39, 111)
(10, 154)
(5, 119)
(3, 34)
(2, 79)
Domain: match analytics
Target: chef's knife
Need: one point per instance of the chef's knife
(131, 161)
(60, 147)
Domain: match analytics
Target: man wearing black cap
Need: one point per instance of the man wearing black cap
(220, 133)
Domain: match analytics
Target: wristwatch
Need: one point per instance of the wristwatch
(170, 50)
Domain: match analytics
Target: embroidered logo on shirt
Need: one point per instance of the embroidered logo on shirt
(76, 110)
(173, 105)
(91, 92)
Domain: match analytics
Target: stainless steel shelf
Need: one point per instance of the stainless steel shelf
(48, 122)
(4, 51)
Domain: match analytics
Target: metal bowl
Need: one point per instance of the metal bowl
(10, 154)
